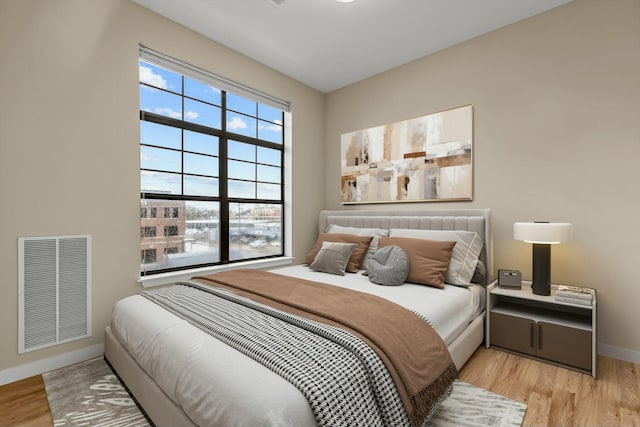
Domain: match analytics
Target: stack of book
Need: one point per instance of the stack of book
(575, 295)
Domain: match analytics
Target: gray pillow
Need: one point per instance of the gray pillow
(389, 266)
(333, 257)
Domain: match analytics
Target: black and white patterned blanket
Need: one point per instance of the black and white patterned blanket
(343, 379)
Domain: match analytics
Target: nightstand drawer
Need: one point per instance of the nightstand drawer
(513, 333)
(565, 345)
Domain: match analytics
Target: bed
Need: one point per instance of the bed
(195, 379)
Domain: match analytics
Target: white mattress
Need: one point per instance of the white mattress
(449, 310)
(219, 386)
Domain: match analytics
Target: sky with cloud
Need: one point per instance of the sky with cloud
(196, 173)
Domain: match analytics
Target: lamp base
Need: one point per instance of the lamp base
(541, 289)
(541, 269)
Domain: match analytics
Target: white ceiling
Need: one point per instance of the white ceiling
(327, 44)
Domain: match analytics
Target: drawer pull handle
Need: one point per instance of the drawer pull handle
(531, 336)
(539, 337)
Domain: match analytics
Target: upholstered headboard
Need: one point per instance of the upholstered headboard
(477, 220)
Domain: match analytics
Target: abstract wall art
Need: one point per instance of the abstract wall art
(427, 158)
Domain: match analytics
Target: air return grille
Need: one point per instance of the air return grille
(54, 290)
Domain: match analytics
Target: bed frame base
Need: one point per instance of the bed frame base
(164, 412)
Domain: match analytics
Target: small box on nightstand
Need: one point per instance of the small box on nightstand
(511, 279)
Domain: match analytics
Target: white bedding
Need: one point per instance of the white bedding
(449, 310)
(185, 361)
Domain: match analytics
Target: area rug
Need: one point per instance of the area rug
(471, 406)
(89, 394)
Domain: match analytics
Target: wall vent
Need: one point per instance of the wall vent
(276, 2)
(54, 290)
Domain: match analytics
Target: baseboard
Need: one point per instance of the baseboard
(620, 353)
(50, 363)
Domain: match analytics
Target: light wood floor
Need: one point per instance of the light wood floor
(555, 396)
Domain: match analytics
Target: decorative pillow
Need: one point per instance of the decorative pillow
(333, 257)
(373, 246)
(480, 275)
(357, 255)
(465, 253)
(389, 266)
(428, 259)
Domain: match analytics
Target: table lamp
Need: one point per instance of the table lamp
(542, 235)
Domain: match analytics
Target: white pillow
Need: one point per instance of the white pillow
(373, 246)
(464, 256)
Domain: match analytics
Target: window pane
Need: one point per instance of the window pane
(243, 125)
(241, 170)
(159, 182)
(268, 113)
(269, 174)
(191, 238)
(200, 143)
(200, 186)
(241, 105)
(255, 230)
(160, 159)
(269, 191)
(242, 190)
(269, 156)
(201, 91)
(160, 102)
(159, 77)
(163, 136)
(200, 165)
(270, 132)
(202, 114)
(241, 151)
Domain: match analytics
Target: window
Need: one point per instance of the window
(171, 230)
(148, 256)
(171, 212)
(147, 231)
(211, 168)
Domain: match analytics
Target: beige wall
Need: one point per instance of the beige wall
(557, 137)
(69, 152)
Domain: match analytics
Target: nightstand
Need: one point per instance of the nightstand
(540, 327)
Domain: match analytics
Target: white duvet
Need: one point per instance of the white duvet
(219, 386)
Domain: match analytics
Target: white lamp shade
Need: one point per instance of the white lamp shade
(543, 232)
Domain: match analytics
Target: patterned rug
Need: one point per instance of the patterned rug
(89, 394)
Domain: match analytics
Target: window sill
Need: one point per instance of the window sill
(182, 275)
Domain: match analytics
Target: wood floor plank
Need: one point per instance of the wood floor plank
(538, 411)
(629, 418)
(608, 391)
(24, 403)
(630, 382)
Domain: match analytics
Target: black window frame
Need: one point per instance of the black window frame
(224, 201)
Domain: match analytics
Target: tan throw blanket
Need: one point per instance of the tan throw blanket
(415, 355)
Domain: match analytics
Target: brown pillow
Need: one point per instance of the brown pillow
(428, 259)
(362, 243)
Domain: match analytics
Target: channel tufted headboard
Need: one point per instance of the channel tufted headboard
(477, 220)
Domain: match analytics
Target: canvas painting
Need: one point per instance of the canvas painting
(427, 158)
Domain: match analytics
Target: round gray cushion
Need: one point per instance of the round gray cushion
(389, 266)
